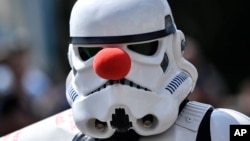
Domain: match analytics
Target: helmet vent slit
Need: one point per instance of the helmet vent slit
(72, 93)
(176, 82)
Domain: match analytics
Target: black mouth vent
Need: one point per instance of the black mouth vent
(121, 82)
(120, 121)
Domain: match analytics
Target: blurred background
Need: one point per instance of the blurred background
(33, 55)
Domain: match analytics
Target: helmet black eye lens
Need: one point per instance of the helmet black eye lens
(88, 52)
(145, 48)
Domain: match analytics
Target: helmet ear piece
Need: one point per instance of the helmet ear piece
(183, 45)
(179, 44)
(69, 54)
(68, 81)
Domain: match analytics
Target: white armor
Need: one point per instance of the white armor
(129, 74)
(146, 96)
(187, 126)
(160, 79)
(61, 126)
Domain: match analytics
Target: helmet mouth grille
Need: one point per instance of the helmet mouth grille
(74, 95)
(122, 81)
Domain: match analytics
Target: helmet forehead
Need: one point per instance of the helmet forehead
(111, 17)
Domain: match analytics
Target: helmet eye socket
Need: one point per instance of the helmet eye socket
(88, 52)
(147, 49)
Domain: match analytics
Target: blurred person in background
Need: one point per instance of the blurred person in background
(211, 87)
(27, 92)
(31, 74)
(14, 112)
(242, 100)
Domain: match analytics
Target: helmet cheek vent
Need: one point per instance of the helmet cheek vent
(148, 122)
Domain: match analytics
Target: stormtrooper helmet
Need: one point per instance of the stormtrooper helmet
(128, 70)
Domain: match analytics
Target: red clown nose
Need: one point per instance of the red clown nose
(112, 63)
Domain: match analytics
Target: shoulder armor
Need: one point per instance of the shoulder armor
(192, 115)
(187, 124)
(221, 119)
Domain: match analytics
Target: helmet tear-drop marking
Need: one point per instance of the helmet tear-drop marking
(164, 62)
(74, 70)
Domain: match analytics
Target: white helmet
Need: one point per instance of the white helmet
(128, 72)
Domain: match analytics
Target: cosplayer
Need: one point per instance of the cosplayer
(129, 80)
